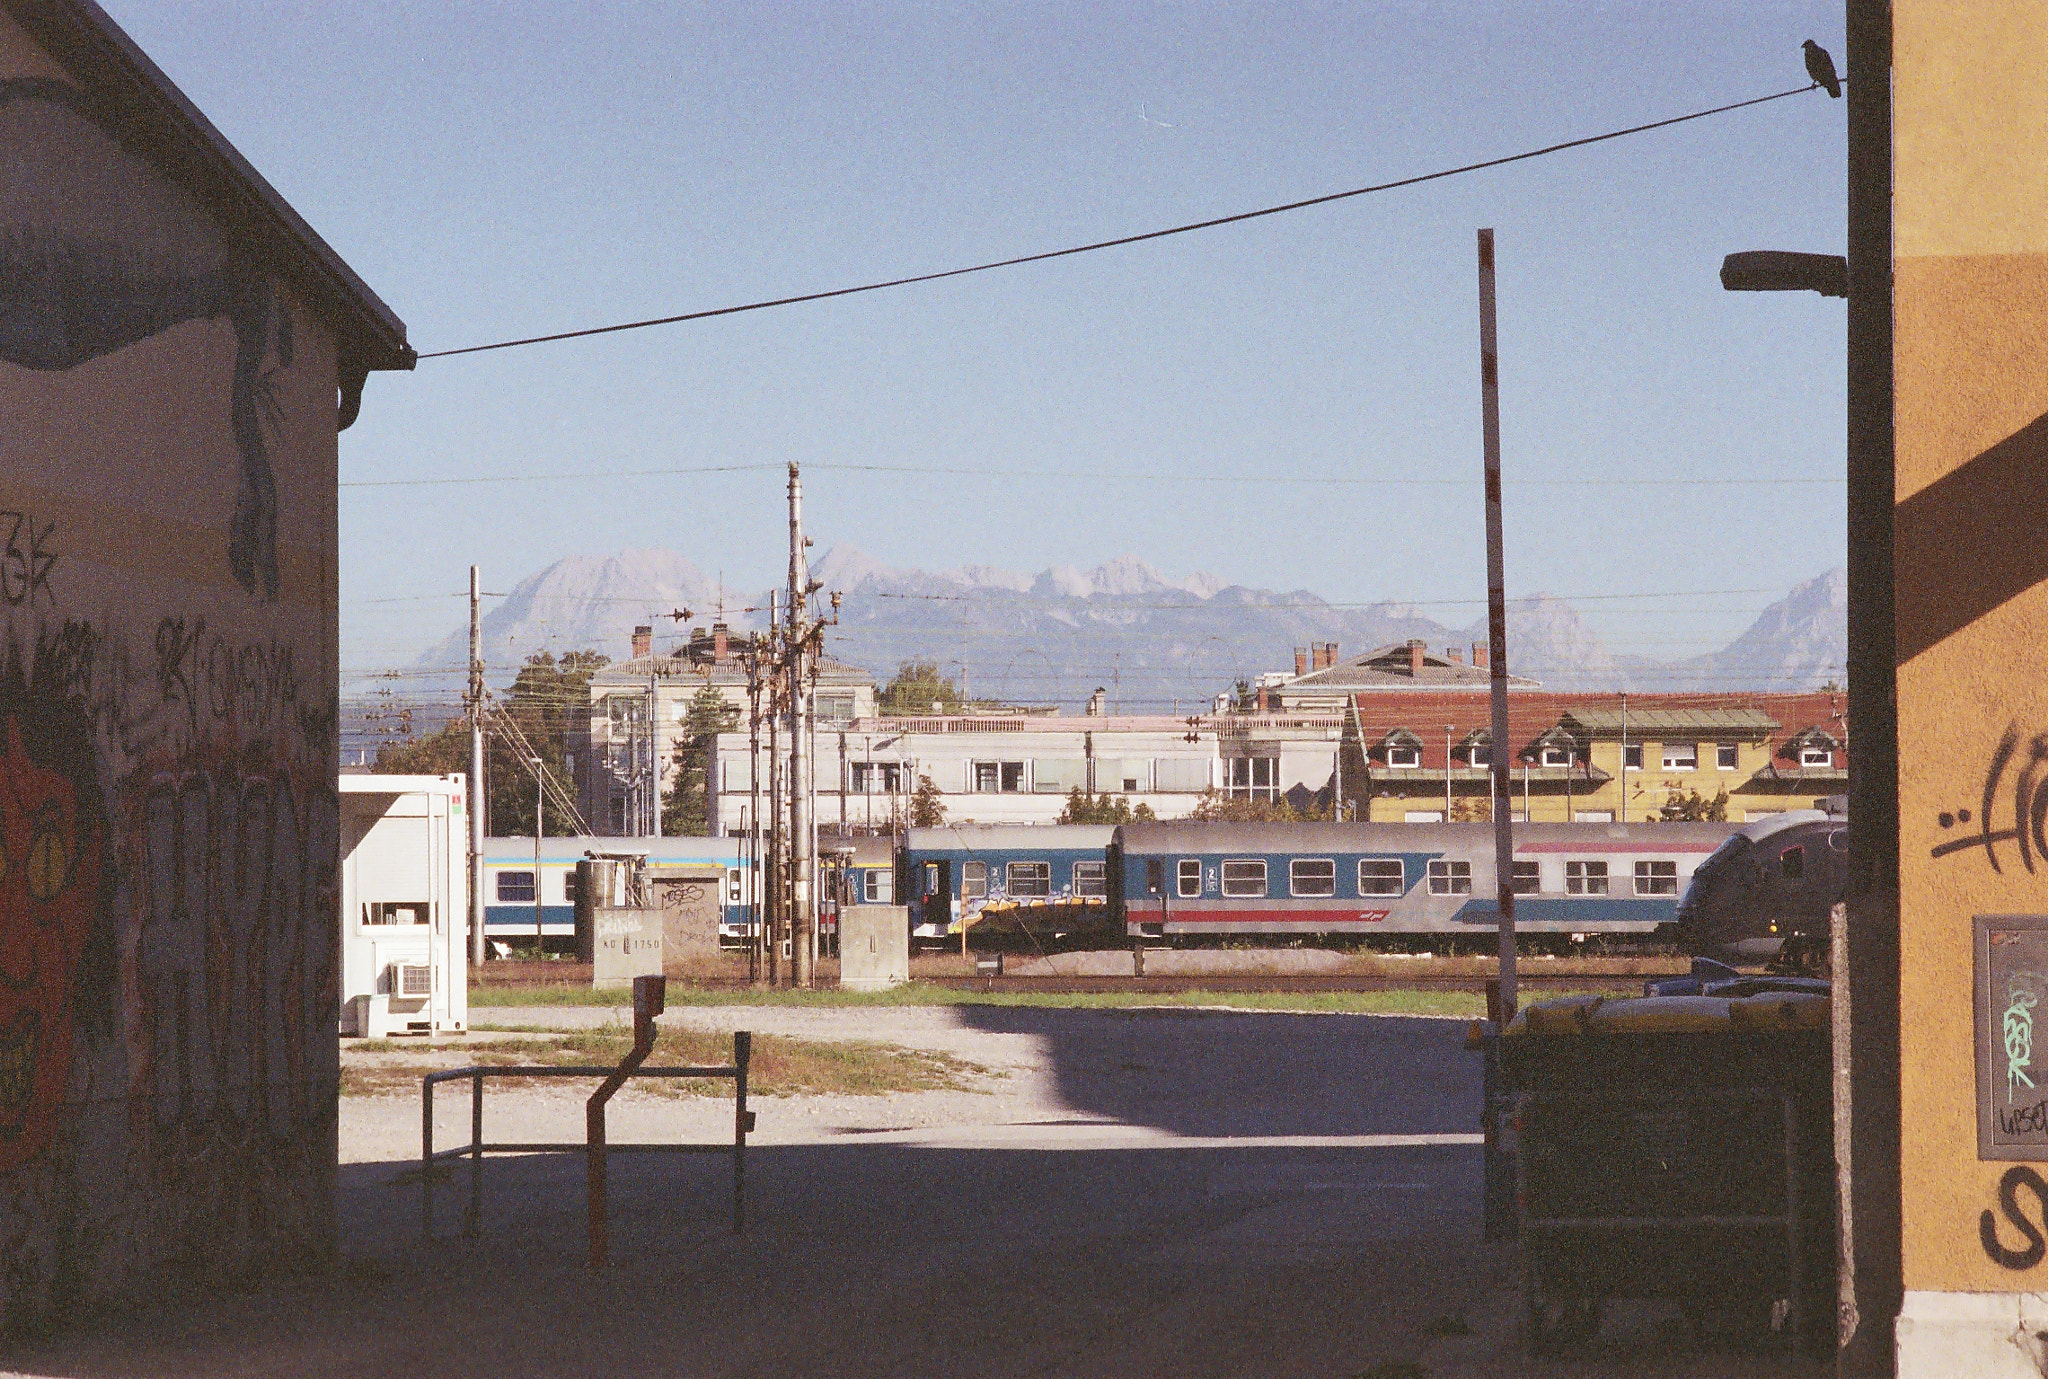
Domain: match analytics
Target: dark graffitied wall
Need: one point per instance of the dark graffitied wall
(167, 725)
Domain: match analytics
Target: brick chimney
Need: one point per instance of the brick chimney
(1329, 653)
(1261, 699)
(1300, 661)
(721, 643)
(643, 641)
(1454, 656)
(1415, 657)
(1480, 655)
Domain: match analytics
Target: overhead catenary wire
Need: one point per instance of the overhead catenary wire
(1121, 241)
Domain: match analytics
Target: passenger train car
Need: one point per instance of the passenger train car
(512, 887)
(1363, 879)
(1767, 891)
(1052, 877)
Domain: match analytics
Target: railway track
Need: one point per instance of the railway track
(1285, 983)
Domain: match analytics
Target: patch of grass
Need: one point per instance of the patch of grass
(1466, 1004)
(779, 1066)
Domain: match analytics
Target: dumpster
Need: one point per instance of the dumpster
(1675, 1147)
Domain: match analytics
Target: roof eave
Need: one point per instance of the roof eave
(156, 119)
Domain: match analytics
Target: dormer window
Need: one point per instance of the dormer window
(1479, 754)
(1557, 756)
(1816, 756)
(1813, 748)
(1403, 755)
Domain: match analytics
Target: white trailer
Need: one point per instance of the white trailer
(404, 905)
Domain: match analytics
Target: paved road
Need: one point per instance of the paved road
(1147, 1193)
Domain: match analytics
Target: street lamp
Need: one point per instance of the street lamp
(1778, 270)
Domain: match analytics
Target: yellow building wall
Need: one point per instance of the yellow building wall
(1971, 411)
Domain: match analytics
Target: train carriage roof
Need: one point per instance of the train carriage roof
(971, 838)
(1194, 836)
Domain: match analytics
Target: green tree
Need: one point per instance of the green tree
(685, 810)
(1690, 806)
(1214, 805)
(916, 687)
(926, 809)
(1082, 808)
(549, 703)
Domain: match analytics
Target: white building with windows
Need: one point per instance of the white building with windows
(1020, 769)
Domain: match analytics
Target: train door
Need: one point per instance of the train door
(936, 895)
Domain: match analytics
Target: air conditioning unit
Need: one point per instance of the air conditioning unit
(411, 981)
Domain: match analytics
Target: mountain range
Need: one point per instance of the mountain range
(1152, 642)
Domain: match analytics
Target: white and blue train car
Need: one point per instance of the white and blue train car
(1366, 879)
(1056, 875)
(512, 885)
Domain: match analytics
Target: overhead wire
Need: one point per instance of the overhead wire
(1121, 241)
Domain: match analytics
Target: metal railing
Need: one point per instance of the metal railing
(649, 995)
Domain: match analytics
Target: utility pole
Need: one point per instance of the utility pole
(540, 947)
(1624, 758)
(757, 941)
(1496, 627)
(804, 915)
(475, 699)
(777, 910)
(650, 804)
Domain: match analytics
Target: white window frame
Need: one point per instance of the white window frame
(1478, 754)
(1239, 886)
(1325, 878)
(1727, 756)
(1650, 880)
(1403, 756)
(1557, 756)
(1378, 880)
(878, 886)
(1681, 756)
(1450, 876)
(973, 880)
(1810, 757)
(1189, 870)
(1091, 878)
(1585, 876)
(1031, 873)
(1250, 787)
(1631, 750)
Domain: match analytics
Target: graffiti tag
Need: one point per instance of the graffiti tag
(26, 559)
(2028, 1255)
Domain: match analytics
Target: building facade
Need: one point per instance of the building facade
(177, 352)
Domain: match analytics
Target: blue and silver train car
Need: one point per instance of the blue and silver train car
(512, 886)
(1363, 879)
(1050, 877)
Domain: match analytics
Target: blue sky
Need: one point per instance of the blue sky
(504, 170)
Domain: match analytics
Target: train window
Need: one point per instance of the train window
(879, 886)
(1725, 755)
(1029, 878)
(1381, 876)
(1155, 876)
(1312, 876)
(1656, 878)
(734, 885)
(1585, 878)
(973, 880)
(1450, 878)
(1091, 878)
(569, 887)
(1190, 876)
(1245, 876)
(515, 886)
(1528, 879)
(1792, 863)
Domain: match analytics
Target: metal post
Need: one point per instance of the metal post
(426, 1159)
(476, 1153)
(1447, 771)
(540, 946)
(476, 775)
(1497, 632)
(1624, 758)
(650, 805)
(742, 1121)
(757, 940)
(649, 999)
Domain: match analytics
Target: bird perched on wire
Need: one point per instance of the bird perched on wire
(1821, 68)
